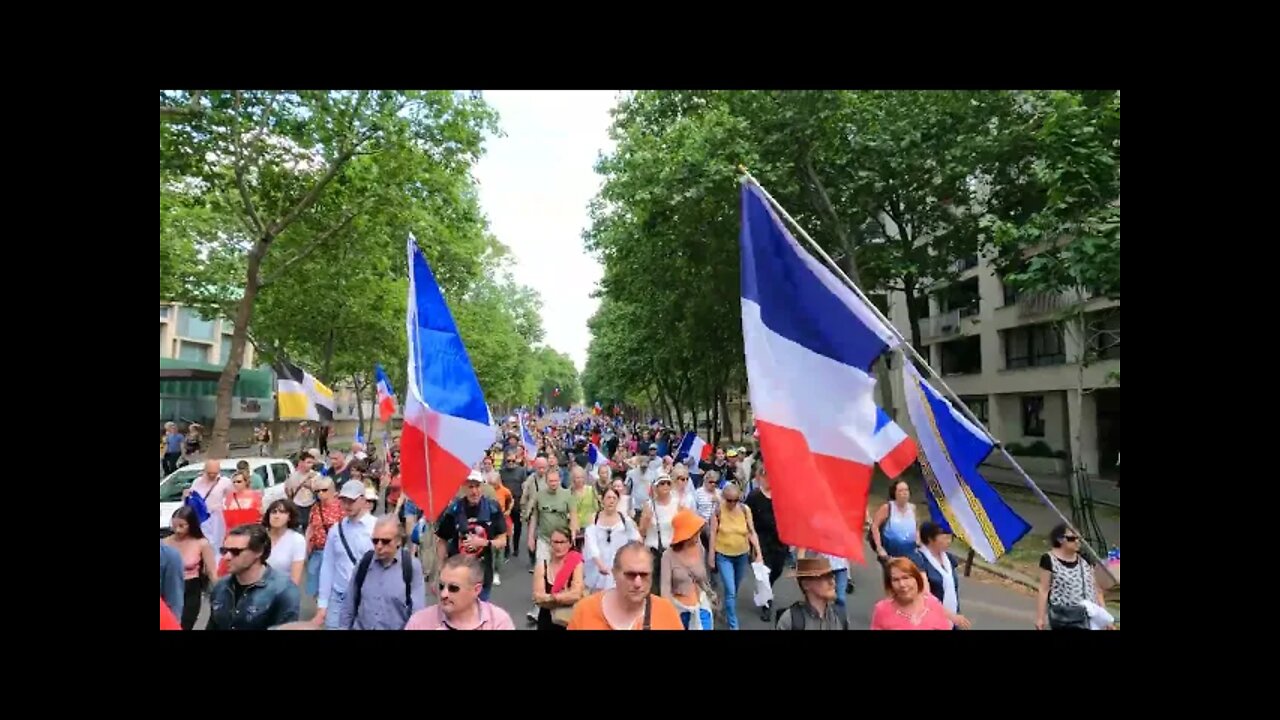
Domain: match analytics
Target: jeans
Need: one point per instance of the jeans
(842, 579)
(513, 542)
(171, 463)
(334, 611)
(732, 569)
(313, 572)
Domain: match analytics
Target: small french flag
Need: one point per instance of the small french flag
(386, 398)
(594, 456)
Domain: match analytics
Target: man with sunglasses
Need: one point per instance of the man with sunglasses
(629, 605)
(348, 540)
(387, 586)
(460, 606)
(251, 596)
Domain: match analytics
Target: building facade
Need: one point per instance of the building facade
(1017, 369)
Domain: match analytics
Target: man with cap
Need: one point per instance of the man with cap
(387, 586)
(349, 539)
(818, 610)
(474, 525)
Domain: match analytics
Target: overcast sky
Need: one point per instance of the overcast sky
(535, 184)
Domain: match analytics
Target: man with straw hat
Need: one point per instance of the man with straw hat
(818, 610)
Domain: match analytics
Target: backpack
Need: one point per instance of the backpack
(798, 617)
(488, 508)
(406, 565)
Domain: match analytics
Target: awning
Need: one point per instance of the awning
(190, 378)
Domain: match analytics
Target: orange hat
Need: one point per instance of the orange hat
(684, 525)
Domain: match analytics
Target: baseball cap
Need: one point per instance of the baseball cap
(370, 494)
(352, 490)
(731, 453)
(475, 477)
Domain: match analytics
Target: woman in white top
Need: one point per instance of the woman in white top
(893, 529)
(683, 489)
(610, 530)
(624, 500)
(288, 546)
(655, 521)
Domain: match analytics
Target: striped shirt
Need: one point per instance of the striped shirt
(706, 502)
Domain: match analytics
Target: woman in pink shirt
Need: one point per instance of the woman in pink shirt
(460, 607)
(910, 605)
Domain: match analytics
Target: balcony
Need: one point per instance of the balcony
(940, 326)
(1038, 304)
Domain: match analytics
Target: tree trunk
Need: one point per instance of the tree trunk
(218, 446)
(326, 371)
(355, 382)
(728, 422)
(909, 287)
(715, 418)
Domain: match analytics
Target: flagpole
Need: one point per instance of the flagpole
(904, 347)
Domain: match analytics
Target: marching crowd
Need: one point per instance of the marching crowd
(619, 533)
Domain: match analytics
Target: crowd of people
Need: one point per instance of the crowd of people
(619, 533)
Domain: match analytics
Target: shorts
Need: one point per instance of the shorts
(542, 553)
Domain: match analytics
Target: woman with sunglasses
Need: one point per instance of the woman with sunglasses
(288, 546)
(655, 521)
(735, 545)
(557, 583)
(198, 561)
(1069, 597)
(609, 530)
(326, 513)
(242, 506)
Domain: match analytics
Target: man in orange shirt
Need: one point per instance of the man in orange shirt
(629, 605)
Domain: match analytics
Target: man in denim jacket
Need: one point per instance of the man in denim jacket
(252, 596)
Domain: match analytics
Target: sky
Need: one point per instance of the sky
(535, 183)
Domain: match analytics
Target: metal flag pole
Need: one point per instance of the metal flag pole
(904, 347)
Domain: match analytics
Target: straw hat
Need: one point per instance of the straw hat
(811, 567)
(684, 525)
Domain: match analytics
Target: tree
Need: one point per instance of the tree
(283, 175)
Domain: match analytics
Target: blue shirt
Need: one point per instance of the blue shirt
(336, 567)
(173, 443)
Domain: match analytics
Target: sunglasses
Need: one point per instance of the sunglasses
(235, 552)
(559, 542)
(731, 502)
(1070, 538)
(452, 588)
(320, 490)
(382, 541)
(664, 482)
(240, 481)
(633, 576)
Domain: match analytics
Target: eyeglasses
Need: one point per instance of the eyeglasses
(1071, 538)
(559, 542)
(239, 481)
(453, 589)
(235, 552)
(382, 541)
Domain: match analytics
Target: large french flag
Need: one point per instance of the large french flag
(446, 422)
(386, 398)
(810, 343)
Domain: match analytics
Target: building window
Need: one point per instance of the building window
(225, 357)
(164, 313)
(191, 325)
(977, 404)
(1033, 346)
(961, 297)
(1033, 415)
(962, 357)
(193, 352)
(1010, 294)
(1104, 334)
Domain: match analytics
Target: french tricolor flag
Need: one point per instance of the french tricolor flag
(526, 437)
(386, 398)
(695, 448)
(446, 422)
(810, 343)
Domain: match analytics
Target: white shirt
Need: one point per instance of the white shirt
(603, 542)
(944, 568)
(661, 521)
(292, 548)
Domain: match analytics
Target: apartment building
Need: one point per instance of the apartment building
(1016, 369)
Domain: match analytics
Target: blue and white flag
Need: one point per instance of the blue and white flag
(526, 438)
(951, 449)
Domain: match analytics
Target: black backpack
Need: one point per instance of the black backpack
(798, 617)
(406, 566)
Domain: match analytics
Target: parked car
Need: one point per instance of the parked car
(265, 474)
